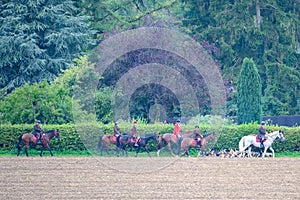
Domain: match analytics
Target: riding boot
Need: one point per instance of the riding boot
(118, 141)
(262, 144)
(198, 144)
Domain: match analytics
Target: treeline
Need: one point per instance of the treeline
(40, 40)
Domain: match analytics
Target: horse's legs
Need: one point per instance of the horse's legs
(125, 149)
(249, 152)
(49, 148)
(26, 150)
(187, 152)
(137, 150)
(170, 149)
(265, 150)
(19, 149)
(273, 153)
(106, 149)
(101, 151)
(147, 150)
(118, 151)
(157, 153)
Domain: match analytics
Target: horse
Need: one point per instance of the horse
(28, 138)
(249, 140)
(126, 140)
(169, 138)
(188, 143)
(105, 141)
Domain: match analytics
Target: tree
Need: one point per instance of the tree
(38, 39)
(111, 16)
(249, 93)
(267, 31)
(42, 101)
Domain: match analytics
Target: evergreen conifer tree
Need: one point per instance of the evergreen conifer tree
(249, 93)
(39, 38)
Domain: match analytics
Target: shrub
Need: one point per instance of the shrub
(228, 137)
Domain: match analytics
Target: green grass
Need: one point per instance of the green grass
(288, 154)
(163, 153)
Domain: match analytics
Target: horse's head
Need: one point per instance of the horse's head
(57, 134)
(155, 137)
(214, 137)
(281, 136)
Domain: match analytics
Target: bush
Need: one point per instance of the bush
(228, 137)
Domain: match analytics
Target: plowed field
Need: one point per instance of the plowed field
(149, 178)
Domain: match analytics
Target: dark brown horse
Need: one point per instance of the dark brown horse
(28, 138)
(169, 138)
(126, 140)
(188, 143)
(105, 141)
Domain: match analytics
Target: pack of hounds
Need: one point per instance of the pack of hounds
(233, 153)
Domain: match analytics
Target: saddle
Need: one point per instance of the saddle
(257, 139)
(134, 140)
(36, 139)
(194, 142)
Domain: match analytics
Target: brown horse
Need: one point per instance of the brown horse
(169, 138)
(28, 138)
(105, 141)
(188, 143)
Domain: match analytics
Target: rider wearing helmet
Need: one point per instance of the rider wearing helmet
(262, 133)
(176, 132)
(117, 133)
(135, 133)
(37, 131)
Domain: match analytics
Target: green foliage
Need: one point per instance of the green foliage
(52, 102)
(114, 15)
(267, 31)
(42, 101)
(38, 39)
(249, 93)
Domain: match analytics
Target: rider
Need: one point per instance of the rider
(262, 133)
(117, 133)
(177, 132)
(37, 131)
(134, 133)
(197, 136)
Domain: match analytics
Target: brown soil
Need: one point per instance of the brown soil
(149, 178)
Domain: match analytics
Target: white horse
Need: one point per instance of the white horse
(249, 140)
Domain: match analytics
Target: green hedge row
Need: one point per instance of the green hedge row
(228, 136)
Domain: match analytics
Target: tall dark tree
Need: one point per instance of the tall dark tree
(38, 39)
(249, 93)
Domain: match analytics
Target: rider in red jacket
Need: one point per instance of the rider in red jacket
(177, 128)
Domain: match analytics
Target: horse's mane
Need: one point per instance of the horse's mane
(274, 132)
(50, 131)
(207, 134)
(148, 135)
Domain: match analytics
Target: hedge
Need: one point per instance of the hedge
(228, 136)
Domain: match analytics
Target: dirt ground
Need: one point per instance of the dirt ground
(149, 178)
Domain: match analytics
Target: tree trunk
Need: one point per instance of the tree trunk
(257, 15)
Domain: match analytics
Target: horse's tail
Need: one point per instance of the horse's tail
(19, 141)
(242, 144)
(99, 145)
